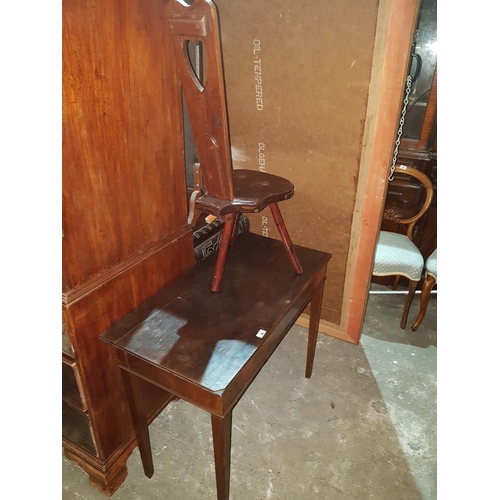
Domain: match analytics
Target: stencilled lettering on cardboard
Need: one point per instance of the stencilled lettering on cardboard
(257, 68)
(262, 157)
(265, 229)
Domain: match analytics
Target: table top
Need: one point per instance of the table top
(206, 338)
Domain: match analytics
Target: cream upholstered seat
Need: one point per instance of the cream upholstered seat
(431, 265)
(431, 274)
(395, 253)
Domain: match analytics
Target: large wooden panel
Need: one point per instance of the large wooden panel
(124, 207)
(97, 310)
(122, 135)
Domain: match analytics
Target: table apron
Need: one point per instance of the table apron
(215, 403)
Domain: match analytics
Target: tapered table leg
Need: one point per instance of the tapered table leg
(313, 327)
(221, 431)
(135, 400)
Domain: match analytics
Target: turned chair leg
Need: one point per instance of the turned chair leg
(227, 235)
(395, 283)
(409, 298)
(429, 282)
(285, 237)
(235, 227)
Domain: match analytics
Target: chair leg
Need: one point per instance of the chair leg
(395, 283)
(227, 235)
(409, 298)
(235, 227)
(285, 237)
(429, 282)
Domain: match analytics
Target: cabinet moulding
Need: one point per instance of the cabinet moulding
(75, 294)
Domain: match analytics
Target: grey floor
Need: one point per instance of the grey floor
(363, 427)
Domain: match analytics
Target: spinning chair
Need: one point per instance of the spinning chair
(396, 254)
(227, 193)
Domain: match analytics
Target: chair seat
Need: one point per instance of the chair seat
(396, 254)
(431, 264)
(253, 191)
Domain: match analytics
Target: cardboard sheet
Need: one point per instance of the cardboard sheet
(297, 77)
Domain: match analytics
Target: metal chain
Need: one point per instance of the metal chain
(401, 123)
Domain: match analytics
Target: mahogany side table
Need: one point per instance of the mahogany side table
(205, 347)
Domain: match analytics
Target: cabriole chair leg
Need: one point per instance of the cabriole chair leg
(429, 283)
(409, 298)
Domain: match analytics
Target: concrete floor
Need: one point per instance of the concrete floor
(363, 427)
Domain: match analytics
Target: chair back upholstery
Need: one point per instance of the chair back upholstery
(204, 94)
(429, 193)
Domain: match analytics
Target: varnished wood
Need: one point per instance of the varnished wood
(206, 103)
(429, 194)
(136, 261)
(427, 286)
(138, 413)
(412, 286)
(405, 197)
(98, 310)
(124, 206)
(204, 348)
(409, 223)
(121, 134)
(104, 476)
(221, 432)
(226, 192)
(235, 226)
(227, 236)
(313, 328)
(280, 225)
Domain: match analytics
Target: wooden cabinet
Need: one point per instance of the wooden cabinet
(124, 211)
(419, 139)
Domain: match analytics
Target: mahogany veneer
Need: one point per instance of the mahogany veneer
(125, 232)
(207, 348)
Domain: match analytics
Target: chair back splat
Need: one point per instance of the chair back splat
(228, 193)
(205, 97)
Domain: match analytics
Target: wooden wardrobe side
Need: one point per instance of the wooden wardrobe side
(124, 211)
